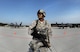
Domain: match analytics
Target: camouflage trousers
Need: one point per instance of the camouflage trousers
(35, 46)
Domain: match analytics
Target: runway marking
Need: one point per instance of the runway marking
(15, 36)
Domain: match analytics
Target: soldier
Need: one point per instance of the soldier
(40, 31)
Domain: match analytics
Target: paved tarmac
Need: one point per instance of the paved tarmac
(17, 39)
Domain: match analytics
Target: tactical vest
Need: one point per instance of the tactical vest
(40, 34)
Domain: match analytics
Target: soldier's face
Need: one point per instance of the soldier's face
(40, 15)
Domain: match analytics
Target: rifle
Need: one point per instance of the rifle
(45, 43)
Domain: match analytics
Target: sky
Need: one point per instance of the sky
(25, 11)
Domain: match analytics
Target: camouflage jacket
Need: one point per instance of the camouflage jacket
(40, 25)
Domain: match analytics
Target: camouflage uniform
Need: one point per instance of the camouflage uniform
(35, 43)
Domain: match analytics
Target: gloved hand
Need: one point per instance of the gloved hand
(49, 45)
